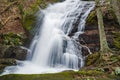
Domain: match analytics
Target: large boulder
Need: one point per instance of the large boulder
(16, 52)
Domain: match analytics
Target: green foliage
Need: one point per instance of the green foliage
(12, 39)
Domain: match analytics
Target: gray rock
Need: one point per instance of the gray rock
(20, 53)
(15, 52)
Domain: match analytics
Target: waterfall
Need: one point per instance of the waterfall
(55, 46)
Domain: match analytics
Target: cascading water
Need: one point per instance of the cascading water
(55, 46)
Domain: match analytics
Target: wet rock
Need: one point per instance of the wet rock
(15, 52)
(90, 39)
(20, 53)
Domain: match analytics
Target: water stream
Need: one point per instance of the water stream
(55, 46)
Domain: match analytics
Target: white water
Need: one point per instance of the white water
(52, 49)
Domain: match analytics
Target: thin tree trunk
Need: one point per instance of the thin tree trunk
(103, 41)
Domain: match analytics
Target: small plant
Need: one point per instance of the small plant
(12, 39)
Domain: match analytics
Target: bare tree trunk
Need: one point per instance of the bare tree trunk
(103, 41)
